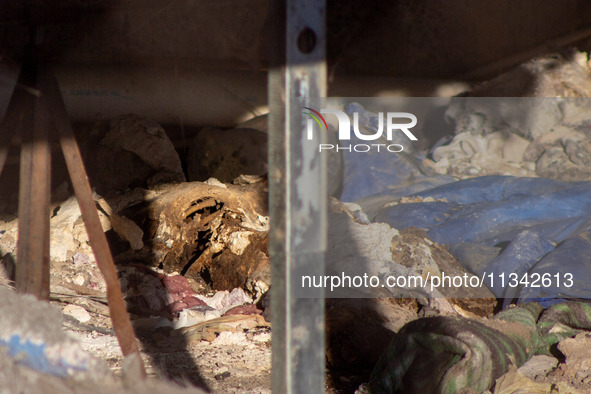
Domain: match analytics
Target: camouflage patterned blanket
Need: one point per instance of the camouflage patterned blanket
(445, 354)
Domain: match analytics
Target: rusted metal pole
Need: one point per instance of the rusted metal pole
(96, 236)
(32, 270)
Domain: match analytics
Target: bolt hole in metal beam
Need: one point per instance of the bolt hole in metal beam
(306, 41)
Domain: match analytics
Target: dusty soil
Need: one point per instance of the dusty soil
(233, 359)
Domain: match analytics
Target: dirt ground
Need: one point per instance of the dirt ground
(233, 360)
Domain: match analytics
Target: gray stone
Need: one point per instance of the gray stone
(539, 365)
(226, 154)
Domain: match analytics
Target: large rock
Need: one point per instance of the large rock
(130, 151)
(226, 154)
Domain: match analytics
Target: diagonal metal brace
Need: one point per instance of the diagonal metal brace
(96, 236)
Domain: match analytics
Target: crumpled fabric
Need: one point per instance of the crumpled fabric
(526, 237)
(368, 173)
(445, 354)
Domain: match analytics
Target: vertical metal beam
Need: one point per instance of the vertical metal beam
(297, 200)
(32, 270)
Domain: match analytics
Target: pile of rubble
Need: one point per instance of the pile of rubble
(194, 267)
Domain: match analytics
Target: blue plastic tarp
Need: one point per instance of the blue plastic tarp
(528, 230)
(531, 237)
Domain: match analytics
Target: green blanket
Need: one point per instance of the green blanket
(445, 354)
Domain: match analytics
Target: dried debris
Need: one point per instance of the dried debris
(413, 248)
(555, 75)
(194, 260)
(545, 135)
(205, 229)
(577, 364)
(545, 374)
